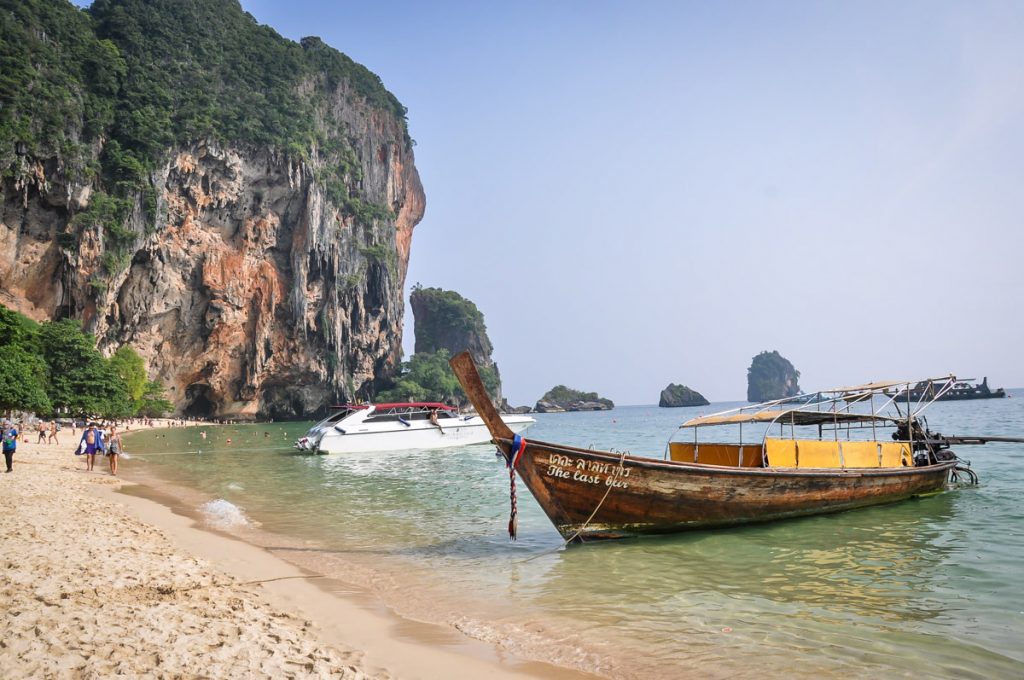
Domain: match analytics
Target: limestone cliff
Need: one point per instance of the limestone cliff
(256, 279)
(771, 376)
(446, 320)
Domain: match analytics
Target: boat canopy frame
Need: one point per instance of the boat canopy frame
(832, 409)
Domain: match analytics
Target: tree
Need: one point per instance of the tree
(22, 376)
(81, 380)
(425, 377)
(132, 369)
(154, 403)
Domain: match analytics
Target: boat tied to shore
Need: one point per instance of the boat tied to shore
(352, 428)
(843, 449)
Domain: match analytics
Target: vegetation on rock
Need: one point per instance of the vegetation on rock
(446, 324)
(562, 398)
(149, 74)
(681, 395)
(446, 320)
(54, 367)
(770, 377)
(428, 377)
(107, 91)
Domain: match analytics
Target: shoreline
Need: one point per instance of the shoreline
(319, 626)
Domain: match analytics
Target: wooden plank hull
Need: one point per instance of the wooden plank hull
(636, 496)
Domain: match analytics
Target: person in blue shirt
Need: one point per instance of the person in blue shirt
(10, 444)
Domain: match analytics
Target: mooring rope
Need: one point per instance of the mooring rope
(514, 454)
(622, 458)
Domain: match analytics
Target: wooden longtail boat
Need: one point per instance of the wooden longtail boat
(589, 494)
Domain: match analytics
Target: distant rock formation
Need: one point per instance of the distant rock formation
(681, 395)
(561, 398)
(446, 320)
(770, 377)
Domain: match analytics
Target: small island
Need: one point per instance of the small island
(680, 395)
(560, 399)
(771, 376)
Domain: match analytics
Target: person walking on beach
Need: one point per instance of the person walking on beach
(92, 441)
(10, 444)
(52, 439)
(114, 449)
(42, 432)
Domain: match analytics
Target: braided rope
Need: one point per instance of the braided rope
(512, 459)
(513, 520)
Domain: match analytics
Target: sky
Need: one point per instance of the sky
(639, 193)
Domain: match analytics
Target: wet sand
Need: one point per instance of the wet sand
(100, 583)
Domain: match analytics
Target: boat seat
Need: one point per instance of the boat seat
(716, 454)
(831, 454)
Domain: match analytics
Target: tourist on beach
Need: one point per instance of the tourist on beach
(114, 449)
(10, 444)
(42, 432)
(91, 442)
(52, 439)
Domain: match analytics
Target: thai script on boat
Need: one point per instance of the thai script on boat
(587, 471)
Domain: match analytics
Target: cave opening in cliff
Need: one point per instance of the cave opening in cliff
(200, 405)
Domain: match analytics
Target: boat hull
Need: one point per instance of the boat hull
(637, 496)
(417, 435)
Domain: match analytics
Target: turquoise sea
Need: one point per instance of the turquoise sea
(931, 587)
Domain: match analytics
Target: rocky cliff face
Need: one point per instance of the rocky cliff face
(247, 285)
(771, 376)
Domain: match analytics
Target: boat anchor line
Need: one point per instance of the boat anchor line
(583, 527)
(512, 460)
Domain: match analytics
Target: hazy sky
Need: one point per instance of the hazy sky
(638, 193)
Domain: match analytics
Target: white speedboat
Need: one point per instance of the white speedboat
(388, 427)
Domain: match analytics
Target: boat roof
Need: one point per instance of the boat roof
(794, 416)
(397, 404)
(832, 406)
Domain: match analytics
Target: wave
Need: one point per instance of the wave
(222, 514)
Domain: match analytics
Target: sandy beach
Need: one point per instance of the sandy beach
(98, 583)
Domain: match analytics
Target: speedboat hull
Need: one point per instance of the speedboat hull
(359, 433)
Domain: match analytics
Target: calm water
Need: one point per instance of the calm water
(930, 587)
